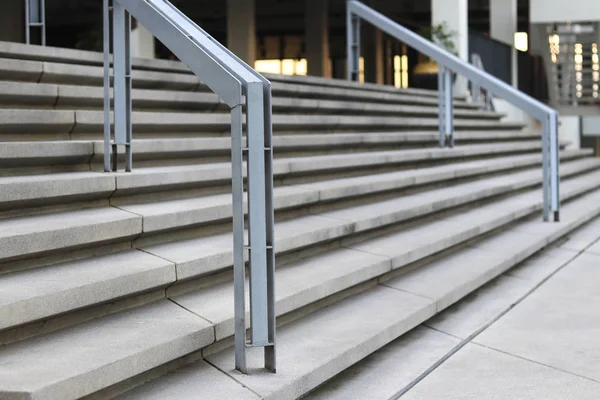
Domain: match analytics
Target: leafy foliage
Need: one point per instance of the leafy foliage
(441, 35)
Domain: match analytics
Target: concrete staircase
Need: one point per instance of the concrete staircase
(120, 284)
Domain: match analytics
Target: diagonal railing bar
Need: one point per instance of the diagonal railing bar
(450, 64)
(233, 81)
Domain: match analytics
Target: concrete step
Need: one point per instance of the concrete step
(37, 294)
(150, 179)
(304, 282)
(10, 50)
(68, 96)
(474, 312)
(47, 154)
(83, 359)
(190, 150)
(87, 75)
(82, 283)
(31, 236)
(184, 213)
(15, 121)
(58, 188)
(369, 320)
(209, 254)
(160, 332)
(77, 152)
(92, 121)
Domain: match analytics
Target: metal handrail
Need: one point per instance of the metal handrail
(233, 81)
(488, 100)
(449, 64)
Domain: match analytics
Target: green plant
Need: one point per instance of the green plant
(441, 35)
(91, 39)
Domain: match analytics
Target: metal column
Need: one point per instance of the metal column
(445, 107)
(270, 354)
(441, 106)
(546, 189)
(107, 8)
(353, 46)
(122, 84)
(239, 266)
(260, 246)
(449, 109)
(554, 160)
(35, 17)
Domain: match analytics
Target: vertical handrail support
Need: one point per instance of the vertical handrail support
(449, 64)
(121, 134)
(231, 79)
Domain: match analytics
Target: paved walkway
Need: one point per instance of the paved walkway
(546, 347)
(533, 333)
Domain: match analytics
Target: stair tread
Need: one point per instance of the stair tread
(314, 343)
(93, 120)
(20, 53)
(170, 213)
(310, 362)
(80, 360)
(58, 71)
(39, 233)
(48, 186)
(432, 280)
(50, 94)
(293, 232)
(47, 149)
(312, 140)
(143, 178)
(332, 349)
(306, 281)
(31, 187)
(38, 293)
(196, 381)
(304, 231)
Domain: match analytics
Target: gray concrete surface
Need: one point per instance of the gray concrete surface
(477, 373)
(381, 374)
(471, 374)
(314, 349)
(559, 324)
(82, 359)
(70, 359)
(197, 381)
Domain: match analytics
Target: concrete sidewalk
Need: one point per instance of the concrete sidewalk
(533, 333)
(547, 347)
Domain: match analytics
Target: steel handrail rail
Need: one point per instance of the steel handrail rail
(449, 64)
(237, 84)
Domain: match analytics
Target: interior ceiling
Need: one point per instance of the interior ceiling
(275, 17)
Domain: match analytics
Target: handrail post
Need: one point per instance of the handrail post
(449, 109)
(269, 353)
(441, 105)
(122, 83)
(353, 45)
(546, 168)
(230, 78)
(239, 267)
(476, 95)
(107, 127)
(554, 163)
(260, 227)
